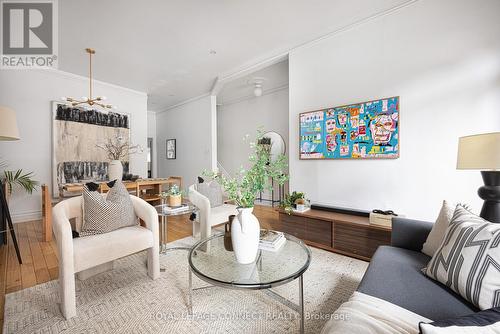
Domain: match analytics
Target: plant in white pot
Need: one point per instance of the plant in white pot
(243, 189)
(116, 149)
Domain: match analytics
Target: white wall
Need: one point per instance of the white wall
(235, 120)
(29, 93)
(152, 134)
(443, 59)
(191, 125)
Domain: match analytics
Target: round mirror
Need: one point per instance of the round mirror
(278, 145)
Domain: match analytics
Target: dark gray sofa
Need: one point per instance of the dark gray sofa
(394, 274)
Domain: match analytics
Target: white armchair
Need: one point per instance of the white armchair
(208, 216)
(93, 254)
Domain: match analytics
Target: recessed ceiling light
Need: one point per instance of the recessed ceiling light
(213, 52)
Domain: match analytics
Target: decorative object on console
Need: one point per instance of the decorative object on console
(130, 177)
(358, 131)
(482, 152)
(293, 201)
(76, 133)
(173, 195)
(89, 101)
(382, 218)
(8, 132)
(171, 149)
(468, 259)
(243, 190)
(116, 149)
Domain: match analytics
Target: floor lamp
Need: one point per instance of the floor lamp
(482, 152)
(8, 132)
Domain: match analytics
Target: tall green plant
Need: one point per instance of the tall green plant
(17, 177)
(247, 183)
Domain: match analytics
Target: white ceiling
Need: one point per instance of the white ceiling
(274, 76)
(162, 47)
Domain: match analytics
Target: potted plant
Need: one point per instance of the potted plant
(292, 200)
(17, 177)
(243, 189)
(173, 196)
(11, 179)
(117, 149)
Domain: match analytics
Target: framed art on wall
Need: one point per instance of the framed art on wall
(76, 133)
(171, 149)
(366, 130)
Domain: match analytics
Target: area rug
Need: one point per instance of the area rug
(125, 300)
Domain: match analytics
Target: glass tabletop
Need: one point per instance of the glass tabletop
(165, 210)
(210, 261)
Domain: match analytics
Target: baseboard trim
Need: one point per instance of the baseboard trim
(26, 216)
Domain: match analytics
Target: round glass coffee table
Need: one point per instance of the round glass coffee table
(212, 263)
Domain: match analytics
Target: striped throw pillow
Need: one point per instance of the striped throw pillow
(468, 260)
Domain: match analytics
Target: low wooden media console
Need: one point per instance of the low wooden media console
(337, 232)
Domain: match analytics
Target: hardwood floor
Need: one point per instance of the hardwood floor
(40, 262)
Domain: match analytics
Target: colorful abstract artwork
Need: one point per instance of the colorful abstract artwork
(358, 131)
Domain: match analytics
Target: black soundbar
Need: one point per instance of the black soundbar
(336, 209)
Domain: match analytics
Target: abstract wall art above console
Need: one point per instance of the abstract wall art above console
(357, 131)
(76, 132)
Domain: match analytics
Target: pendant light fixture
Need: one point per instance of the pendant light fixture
(89, 101)
(257, 82)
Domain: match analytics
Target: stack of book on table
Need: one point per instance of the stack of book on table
(175, 209)
(271, 240)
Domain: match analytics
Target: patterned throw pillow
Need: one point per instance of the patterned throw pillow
(213, 191)
(105, 214)
(468, 260)
(436, 235)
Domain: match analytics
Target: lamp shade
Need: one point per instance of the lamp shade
(8, 124)
(480, 152)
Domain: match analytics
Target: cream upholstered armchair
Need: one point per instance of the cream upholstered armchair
(90, 255)
(208, 216)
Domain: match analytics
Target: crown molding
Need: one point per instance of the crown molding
(72, 76)
(196, 98)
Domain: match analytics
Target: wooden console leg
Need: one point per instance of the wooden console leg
(46, 214)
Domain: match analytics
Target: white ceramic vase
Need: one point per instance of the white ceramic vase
(115, 170)
(245, 233)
